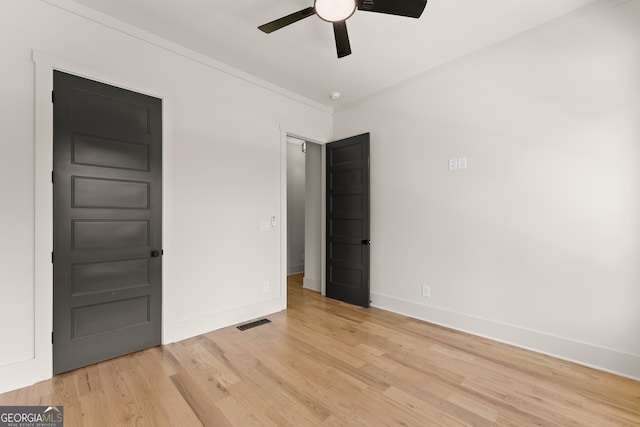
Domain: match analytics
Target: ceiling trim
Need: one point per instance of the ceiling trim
(178, 49)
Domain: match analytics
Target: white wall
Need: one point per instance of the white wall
(295, 207)
(537, 243)
(314, 218)
(223, 175)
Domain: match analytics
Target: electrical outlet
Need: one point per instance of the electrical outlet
(265, 287)
(426, 291)
(453, 164)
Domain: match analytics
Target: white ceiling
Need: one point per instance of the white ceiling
(386, 49)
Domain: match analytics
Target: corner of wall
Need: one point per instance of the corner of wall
(311, 283)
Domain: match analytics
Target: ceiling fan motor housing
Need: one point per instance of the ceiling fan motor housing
(335, 10)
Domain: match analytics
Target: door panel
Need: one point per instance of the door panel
(92, 151)
(106, 234)
(109, 316)
(107, 221)
(109, 193)
(348, 249)
(93, 277)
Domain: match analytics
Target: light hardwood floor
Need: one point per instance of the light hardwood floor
(325, 363)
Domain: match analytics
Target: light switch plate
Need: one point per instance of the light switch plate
(462, 162)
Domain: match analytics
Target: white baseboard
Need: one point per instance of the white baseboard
(192, 327)
(311, 283)
(24, 374)
(295, 269)
(604, 359)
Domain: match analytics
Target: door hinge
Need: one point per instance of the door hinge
(53, 97)
(51, 337)
(52, 177)
(51, 257)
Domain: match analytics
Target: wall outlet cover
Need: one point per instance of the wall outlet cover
(426, 291)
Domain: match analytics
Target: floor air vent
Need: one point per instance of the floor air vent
(254, 324)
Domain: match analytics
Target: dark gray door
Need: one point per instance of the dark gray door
(348, 245)
(107, 201)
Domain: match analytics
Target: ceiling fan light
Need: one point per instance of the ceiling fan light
(335, 10)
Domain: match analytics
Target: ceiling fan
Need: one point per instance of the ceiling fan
(338, 11)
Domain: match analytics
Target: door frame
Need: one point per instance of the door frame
(41, 365)
(285, 132)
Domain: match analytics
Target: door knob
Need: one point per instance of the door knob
(156, 253)
(366, 242)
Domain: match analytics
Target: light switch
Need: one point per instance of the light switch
(462, 162)
(265, 226)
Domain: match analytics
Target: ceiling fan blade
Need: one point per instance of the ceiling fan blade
(343, 47)
(409, 8)
(287, 20)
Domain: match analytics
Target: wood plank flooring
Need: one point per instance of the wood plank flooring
(325, 363)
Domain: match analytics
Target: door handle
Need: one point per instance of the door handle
(366, 242)
(156, 253)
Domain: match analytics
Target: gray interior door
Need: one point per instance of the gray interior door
(107, 190)
(348, 244)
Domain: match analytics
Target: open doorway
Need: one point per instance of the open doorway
(304, 213)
